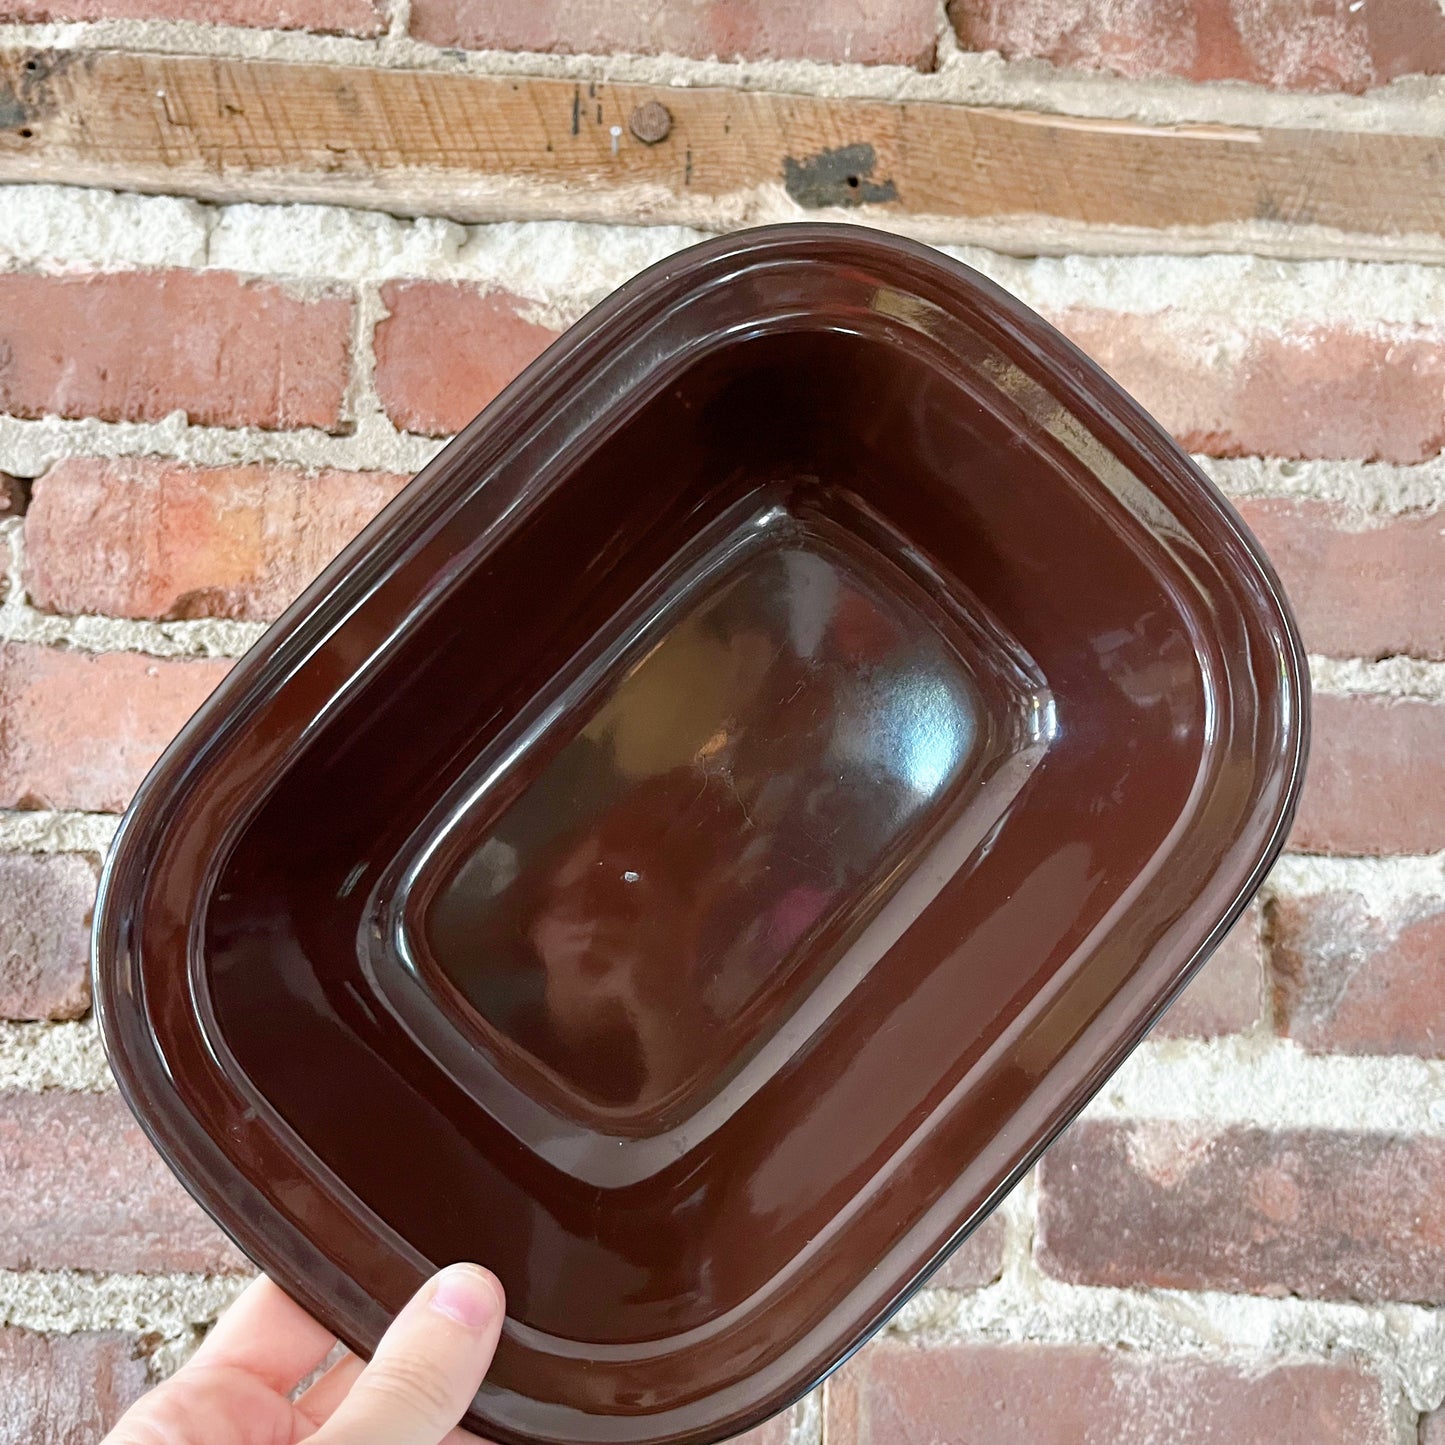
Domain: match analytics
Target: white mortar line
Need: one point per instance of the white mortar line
(362, 405)
(1020, 1216)
(807, 1424)
(58, 228)
(1408, 106)
(949, 55)
(1363, 494)
(67, 1301)
(203, 637)
(36, 1056)
(1228, 292)
(1272, 1083)
(27, 447)
(569, 265)
(1407, 1417)
(1386, 886)
(398, 19)
(56, 832)
(1392, 677)
(1406, 1342)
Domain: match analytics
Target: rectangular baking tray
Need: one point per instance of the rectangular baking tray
(702, 841)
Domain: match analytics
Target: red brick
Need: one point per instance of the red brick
(977, 1261)
(136, 346)
(1358, 592)
(1226, 996)
(349, 17)
(1327, 45)
(1182, 1206)
(1347, 981)
(446, 350)
(888, 32)
(142, 538)
(1135, 37)
(66, 1389)
(1376, 778)
(80, 729)
(895, 1393)
(1306, 391)
(45, 910)
(82, 1188)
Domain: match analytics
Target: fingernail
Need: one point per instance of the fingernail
(467, 1295)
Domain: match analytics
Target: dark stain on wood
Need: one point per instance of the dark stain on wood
(12, 113)
(838, 177)
(26, 93)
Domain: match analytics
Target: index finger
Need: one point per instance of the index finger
(269, 1336)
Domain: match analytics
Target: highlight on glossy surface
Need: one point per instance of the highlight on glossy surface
(749, 760)
(699, 844)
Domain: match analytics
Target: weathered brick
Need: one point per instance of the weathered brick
(66, 1389)
(348, 17)
(1324, 1214)
(1304, 391)
(889, 32)
(894, 1393)
(977, 1261)
(45, 910)
(1327, 45)
(82, 1188)
(1130, 37)
(143, 538)
(1349, 981)
(1376, 778)
(135, 346)
(446, 350)
(1226, 996)
(1358, 592)
(80, 729)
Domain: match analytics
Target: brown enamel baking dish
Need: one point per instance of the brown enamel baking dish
(699, 844)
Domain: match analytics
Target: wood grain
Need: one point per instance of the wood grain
(483, 147)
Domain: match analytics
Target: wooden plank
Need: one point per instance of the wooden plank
(483, 147)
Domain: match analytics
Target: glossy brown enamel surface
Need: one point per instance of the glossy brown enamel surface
(707, 835)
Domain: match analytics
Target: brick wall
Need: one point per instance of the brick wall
(1244, 1240)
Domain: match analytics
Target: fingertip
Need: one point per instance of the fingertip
(468, 1295)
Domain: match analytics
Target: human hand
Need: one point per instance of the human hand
(236, 1389)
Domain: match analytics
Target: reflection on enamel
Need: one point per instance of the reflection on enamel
(731, 793)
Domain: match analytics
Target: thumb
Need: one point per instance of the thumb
(427, 1367)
